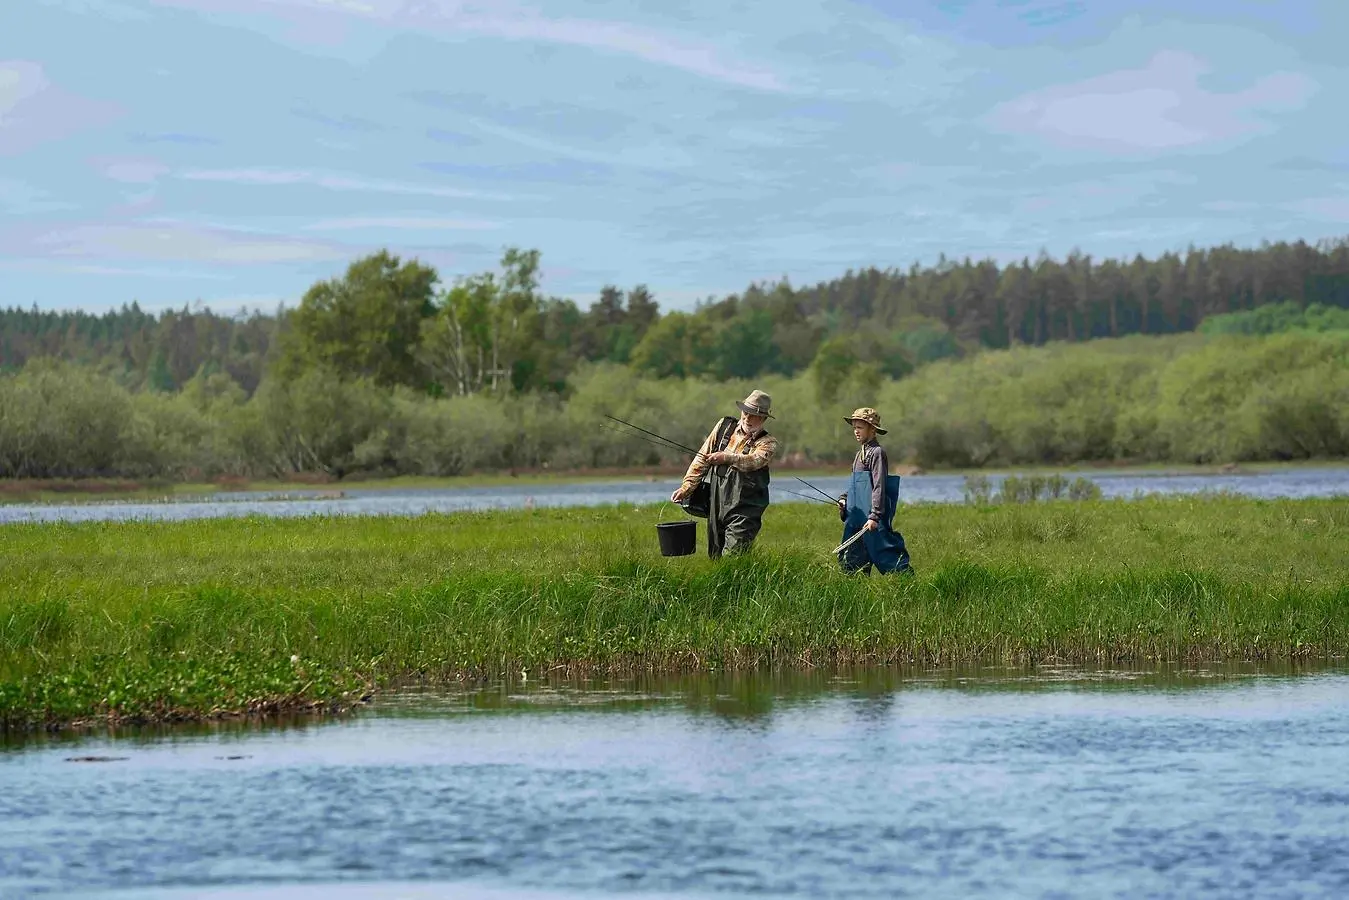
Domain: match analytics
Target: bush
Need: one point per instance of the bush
(1184, 398)
(1229, 400)
(59, 420)
(317, 422)
(1276, 318)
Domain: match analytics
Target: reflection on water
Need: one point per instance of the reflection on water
(738, 694)
(1294, 483)
(1177, 783)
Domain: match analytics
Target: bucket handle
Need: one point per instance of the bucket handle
(660, 510)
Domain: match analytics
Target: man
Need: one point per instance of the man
(734, 459)
(870, 503)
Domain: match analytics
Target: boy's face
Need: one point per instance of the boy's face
(862, 431)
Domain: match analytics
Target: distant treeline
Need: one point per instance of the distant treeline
(1182, 398)
(394, 323)
(142, 350)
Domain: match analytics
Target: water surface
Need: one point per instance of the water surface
(1225, 783)
(1292, 483)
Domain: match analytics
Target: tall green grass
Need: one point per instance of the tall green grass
(152, 621)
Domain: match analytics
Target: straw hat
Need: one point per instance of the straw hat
(757, 404)
(868, 415)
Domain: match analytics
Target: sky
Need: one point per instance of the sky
(233, 152)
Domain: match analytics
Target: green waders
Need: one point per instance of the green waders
(735, 511)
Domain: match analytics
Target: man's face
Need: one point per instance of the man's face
(752, 423)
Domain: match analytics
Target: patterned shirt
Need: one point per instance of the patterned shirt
(749, 458)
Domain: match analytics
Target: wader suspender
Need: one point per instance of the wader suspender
(724, 434)
(728, 425)
(698, 502)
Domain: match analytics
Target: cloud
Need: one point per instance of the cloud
(130, 170)
(1094, 198)
(1151, 229)
(18, 198)
(652, 156)
(174, 137)
(454, 138)
(1052, 13)
(695, 57)
(558, 174)
(19, 80)
(507, 20)
(1307, 164)
(173, 242)
(422, 223)
(343, 123)
(1158, 107)
(267, 177)
(1330, 209)
(33, 111)
(117, 12)
(47, 265)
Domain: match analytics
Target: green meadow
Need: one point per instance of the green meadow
(124, 622)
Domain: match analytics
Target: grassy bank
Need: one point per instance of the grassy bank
(156, 621)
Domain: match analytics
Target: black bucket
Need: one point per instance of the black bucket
(677, 538)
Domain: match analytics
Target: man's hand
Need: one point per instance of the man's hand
(720, 459)
(678, 495)
(871, 525)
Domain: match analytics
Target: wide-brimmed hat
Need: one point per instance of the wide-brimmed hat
(757, 404)
(868, 415)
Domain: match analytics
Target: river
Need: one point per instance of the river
(1295, 483)
(1060, 783)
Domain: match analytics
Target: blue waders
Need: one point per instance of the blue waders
(884, 548)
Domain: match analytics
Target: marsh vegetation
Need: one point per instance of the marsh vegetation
(145, 621)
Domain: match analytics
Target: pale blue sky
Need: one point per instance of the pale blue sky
(235, 151)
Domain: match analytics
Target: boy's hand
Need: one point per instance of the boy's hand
(870, 525)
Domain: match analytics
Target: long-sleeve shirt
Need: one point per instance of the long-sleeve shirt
(871, 458)
(748, 458)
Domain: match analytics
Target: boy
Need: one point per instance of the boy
(870, 503)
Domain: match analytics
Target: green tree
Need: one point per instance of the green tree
(643, 311)
(679, 345)
(833, 364)
(366, 324)
(744, 345)
(487, 331)
(456, 343)
(159, 377)
(516, 325)
(928, 342)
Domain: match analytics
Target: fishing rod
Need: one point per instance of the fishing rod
(815, 489)
(651, 441)
(850, 541)
(808, 497)
(653, 434)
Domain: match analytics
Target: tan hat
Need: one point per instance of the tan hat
(757, 404)
(868, 415)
